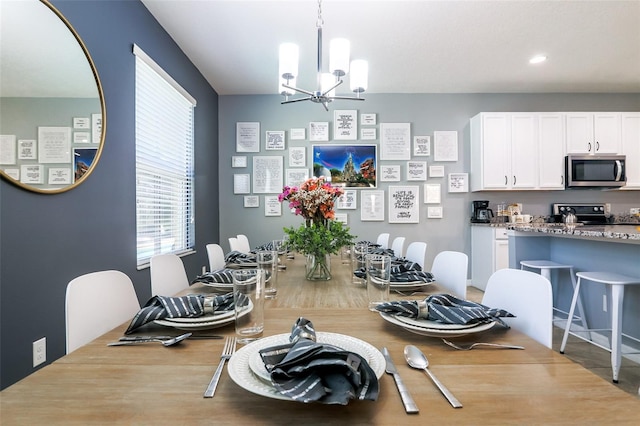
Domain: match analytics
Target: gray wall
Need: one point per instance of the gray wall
(47, 240)
(426, 113)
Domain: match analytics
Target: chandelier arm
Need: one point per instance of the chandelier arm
(306, 92)
(295, 100)
(346, 98)
(331, 88)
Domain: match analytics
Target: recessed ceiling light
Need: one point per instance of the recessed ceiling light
(537, 59)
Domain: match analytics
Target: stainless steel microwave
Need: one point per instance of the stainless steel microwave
(595, 171)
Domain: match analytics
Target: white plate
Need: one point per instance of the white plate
(218, 285)
(203, 325)
(411, 285)
(432, 332)
(425, 323)
(243, 363)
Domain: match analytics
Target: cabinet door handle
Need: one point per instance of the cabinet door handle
(589, 145)
(597, 146)
(514, 180)
(506, 180)
(561, 180)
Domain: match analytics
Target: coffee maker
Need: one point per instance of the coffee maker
(480, 212)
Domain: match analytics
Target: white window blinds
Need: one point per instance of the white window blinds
(164, 163)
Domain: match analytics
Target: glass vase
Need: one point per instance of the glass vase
(318, 268)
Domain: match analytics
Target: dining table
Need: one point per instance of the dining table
(154, 384)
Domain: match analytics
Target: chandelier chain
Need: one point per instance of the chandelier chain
(320, 21)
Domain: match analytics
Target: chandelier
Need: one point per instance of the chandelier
(326, 82)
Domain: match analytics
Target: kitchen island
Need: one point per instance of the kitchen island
(607, 248)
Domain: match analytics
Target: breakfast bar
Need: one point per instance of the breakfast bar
(152, 384)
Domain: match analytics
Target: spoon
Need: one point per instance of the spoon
(169, 342)
(416, 359)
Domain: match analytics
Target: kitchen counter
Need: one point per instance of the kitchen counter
(620, 232)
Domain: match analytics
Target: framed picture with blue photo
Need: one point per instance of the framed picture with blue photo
(348, 166)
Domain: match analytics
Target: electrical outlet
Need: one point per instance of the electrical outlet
(604, 302)
(39, 351)
(635, 210)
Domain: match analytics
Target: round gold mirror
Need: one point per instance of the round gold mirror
(52, 121)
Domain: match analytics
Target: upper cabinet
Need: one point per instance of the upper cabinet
(593, 132)
(630, 145)
(551, 149)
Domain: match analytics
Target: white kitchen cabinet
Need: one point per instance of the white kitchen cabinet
(631, 148)
(551, 150)
(503, 151)
(489, 253)
(593, 132)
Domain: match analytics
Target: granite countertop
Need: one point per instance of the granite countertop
(612, 231)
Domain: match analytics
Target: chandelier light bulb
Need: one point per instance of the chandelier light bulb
(288, 66)
(359, 79)
(339, 56)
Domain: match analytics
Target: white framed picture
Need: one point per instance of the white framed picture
(371, 205)
(458, 182)
(445, 145)
(319, 131)
(345, 124)
(247, 137)
(434, 212)
(368, 119)
(416, 170)
(296, 177)
(274, 140)
(341, 217)
(60, 176)
(297, 156)
(436, 171)
(404, 204)
(298, 134)
(348, 200)
(81, 123)
(241, 184)
(432, 193)
(395, 141)
(368, 133)
(272, 207)
(27, 149)
(238, 161)
(421, 146)
(390, 173)
(251, 201)
(268, 174)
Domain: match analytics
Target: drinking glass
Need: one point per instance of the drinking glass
(360, 250)
(268, 261)
(378, 279)
(278, 245)
(248, 288)
(345, 254)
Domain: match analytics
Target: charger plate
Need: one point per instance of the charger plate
(438, 332)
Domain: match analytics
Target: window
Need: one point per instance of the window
(165, 221)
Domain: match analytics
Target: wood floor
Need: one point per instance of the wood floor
(591, 357)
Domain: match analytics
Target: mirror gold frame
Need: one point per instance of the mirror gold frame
(67, 170)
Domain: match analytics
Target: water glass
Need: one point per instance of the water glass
(268, 261)
(345, 254)
(360, 250)
(248, 287)
(378, 269)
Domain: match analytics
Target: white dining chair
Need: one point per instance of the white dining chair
(233, 244)
(526, 295)
(449, 269)
(168, 275)
(415, 252)
(398, 246)
(243, 243)
(383, 240)
(96, 303)
(216, 256)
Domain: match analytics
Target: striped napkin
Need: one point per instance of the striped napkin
(224, 275)
(402, 271)
(307, 371)
(191, 306)
(445, 308)
(236, 259)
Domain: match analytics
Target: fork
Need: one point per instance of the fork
(227, 351)
(474, 345)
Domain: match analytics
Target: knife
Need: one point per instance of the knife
(409, 405)
(136, 338)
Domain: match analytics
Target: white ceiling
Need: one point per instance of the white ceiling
(474, 46)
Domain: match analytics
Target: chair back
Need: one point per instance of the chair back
(168, 276)
(233, 244)
(243, 243)
(450, 271)
(398, 246)
(415, 252)
(216, 256)
(96, 303)
(526, 295)
(383, 240)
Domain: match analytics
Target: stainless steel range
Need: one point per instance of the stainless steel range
(586, 213)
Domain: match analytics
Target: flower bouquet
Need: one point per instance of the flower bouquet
(320, 235)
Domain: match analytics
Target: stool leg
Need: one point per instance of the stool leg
(583, 318)
(576, 292)
(617, 297)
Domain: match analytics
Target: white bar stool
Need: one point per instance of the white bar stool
(617, 283)
(545, 267)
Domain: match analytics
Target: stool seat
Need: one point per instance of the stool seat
(608, 278)
(617, 283)
(547, 264)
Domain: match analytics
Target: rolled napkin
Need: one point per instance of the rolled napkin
(224, 275)
(307, 371)
(238, 259)
(402, 271)
(445, 308)
(191, 306)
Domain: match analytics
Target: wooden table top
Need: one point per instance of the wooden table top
(151, 384)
